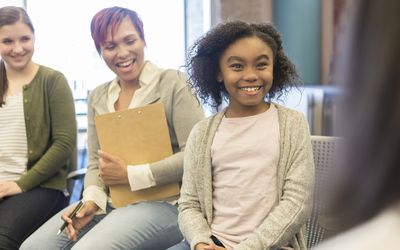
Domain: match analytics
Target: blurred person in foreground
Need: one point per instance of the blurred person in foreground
(366, 200)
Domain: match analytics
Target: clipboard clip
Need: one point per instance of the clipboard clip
(139, 112)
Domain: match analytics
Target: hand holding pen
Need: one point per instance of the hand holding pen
(71, 216)
(82, 217)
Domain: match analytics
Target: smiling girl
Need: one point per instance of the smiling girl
(248, 170)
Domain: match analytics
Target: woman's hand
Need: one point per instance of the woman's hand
(9, 188)
(83, 217)
(113, 170)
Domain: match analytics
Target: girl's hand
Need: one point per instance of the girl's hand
(83, 217)
(211, 246)
(9, 188)
(113, 170)
(200, 246)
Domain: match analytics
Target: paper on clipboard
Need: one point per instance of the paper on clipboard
(137, 136)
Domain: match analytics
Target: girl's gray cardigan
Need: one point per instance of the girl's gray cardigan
(286, 222)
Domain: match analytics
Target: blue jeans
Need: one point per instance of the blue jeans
(145, 225)
(183, 245)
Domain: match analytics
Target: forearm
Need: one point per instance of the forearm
(193, 225)
(168, 170)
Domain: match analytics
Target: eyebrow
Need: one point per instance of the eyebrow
(238, 58)
(132, 35)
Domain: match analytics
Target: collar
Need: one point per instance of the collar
(149, 75)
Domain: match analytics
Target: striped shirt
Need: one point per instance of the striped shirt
(13, 146)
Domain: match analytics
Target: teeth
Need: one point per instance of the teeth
(250, 89)
(125, 64)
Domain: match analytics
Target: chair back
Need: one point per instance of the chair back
(323, 151)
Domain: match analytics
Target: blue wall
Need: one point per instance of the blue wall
(299, 22)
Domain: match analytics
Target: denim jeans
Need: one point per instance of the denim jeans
(145, 225)
(183, 245)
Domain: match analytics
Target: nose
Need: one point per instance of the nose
(123, 51)
(18, 48)
(250, 75)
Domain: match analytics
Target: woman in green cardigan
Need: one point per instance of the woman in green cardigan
(37, 133)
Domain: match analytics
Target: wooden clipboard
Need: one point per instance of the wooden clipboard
(137, 136)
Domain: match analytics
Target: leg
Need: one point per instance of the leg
(46, 236)
(22, 214)
(146, 225)
(184, 245)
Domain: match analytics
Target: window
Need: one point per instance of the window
(19, 3)
(63, 38)
(63, 41)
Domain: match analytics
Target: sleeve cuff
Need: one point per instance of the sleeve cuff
(98, 196)
(140, 177)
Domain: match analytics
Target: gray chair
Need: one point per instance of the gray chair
(324, 148)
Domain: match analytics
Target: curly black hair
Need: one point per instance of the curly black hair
(203, 60)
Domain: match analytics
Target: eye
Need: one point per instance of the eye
(25, 39)
(109, 47)
(130, 41)
(7, 41)
(262, 65)
(236, 66)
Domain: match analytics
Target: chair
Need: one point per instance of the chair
(323, 151)
(76, 176)
(79, 159)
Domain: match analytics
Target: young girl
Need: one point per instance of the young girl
(248, 170)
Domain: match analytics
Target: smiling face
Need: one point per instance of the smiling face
(16, 45)
(123, 52)
(246, 70)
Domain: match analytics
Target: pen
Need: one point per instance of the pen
(71, 216)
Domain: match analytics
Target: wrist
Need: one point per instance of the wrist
(200, 246)
(92, 206)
